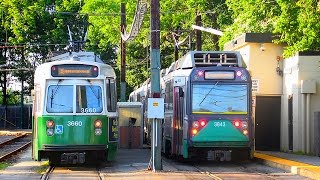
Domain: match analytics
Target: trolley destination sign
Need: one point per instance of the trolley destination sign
(219, 74)
(74, 70)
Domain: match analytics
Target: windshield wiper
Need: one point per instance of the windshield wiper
(54, 92)
(208, 93)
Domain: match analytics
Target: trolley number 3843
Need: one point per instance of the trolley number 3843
(74, 123)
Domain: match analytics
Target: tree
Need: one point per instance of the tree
(298, 25)
(250, 16)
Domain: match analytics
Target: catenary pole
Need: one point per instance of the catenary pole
(155, 81)
(123, 54)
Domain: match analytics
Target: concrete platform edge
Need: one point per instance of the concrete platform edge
(302, 169)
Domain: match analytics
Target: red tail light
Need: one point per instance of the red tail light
(202, 123)
(237, 123)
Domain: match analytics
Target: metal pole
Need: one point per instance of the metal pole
(123, 54)
(21, 122)
(308, 128)
(155, 80)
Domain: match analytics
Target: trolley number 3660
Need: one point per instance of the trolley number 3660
(74, 123)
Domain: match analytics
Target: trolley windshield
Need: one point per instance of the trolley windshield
(60, 99)
(219, 99)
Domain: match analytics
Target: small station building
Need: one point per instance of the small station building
(286, 94)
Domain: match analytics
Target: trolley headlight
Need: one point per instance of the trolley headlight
(245, 132)
(50, 132)
(50, 124)
(98, 132)
(97, 124)
(194, 131)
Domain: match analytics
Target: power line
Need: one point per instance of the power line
(18, 69)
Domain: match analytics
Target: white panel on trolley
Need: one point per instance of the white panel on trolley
(179, 81)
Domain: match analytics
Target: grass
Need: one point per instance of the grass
(43, 167)
(4, 165)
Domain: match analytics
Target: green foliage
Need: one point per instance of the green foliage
(42, 168)
(256, 16)
(27, 23)
(299, 25)
(4, 165)
(295, 21)
(13, 97)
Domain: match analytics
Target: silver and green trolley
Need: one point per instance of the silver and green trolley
(74, 110)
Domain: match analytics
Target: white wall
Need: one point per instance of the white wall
(299, 68)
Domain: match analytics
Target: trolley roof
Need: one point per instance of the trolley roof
(209, 58)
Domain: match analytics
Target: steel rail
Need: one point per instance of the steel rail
(47, 174)
(6, 156)
(12, 140)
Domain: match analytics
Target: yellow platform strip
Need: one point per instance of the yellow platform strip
(303, 169)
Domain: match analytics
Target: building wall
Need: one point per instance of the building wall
(263, 64)
(290, 87)
(296, 69)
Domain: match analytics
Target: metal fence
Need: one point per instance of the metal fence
(14, 118)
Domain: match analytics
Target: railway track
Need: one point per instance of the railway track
(14, 145)
(202, 171)
(57, 173)
(47, 174)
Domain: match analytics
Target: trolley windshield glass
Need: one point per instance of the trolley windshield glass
(219, 99)
(60, 99)
(89, 99)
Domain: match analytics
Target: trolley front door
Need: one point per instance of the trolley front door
(177, 120)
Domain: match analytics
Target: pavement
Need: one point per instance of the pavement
(303, 165)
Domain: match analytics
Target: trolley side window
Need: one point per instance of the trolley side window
(88, 99)
(60, 99)
(111, 95)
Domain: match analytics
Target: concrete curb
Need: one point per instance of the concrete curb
(302, 169)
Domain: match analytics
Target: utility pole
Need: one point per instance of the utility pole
(198, 33)
(155, 81)
(22, 113)
(123, 54)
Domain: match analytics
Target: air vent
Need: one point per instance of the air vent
(216, 59)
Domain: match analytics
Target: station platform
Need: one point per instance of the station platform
(15, 132)
(303, 165)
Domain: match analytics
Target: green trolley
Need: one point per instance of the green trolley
(74, 111)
